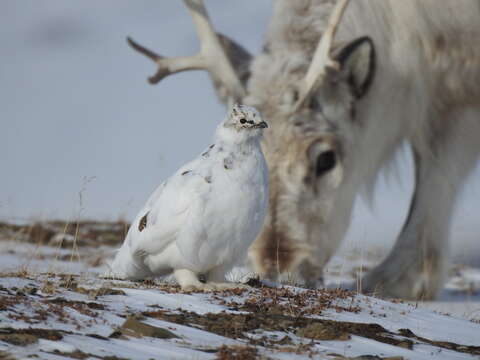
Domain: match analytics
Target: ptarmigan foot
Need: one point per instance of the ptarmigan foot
(216, 277)
(199, 288)
(228, 286)
(188, 281)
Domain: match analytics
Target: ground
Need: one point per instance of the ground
(53, 305)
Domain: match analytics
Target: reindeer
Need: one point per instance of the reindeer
(343, 87)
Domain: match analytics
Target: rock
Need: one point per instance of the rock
(94, 293)
(25, 337)
(134, 327)
(19, 339)
(319, 331)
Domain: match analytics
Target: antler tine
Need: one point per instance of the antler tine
(168, 66)
(321, 58)
(217, 61)
(211, 57)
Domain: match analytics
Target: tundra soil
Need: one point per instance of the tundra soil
(54, 305)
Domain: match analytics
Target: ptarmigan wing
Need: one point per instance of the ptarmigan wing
(167, 211)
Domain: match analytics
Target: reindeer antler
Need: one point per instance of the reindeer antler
(321, 58)
(211, 57)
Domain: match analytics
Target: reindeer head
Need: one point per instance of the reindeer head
(308, 93)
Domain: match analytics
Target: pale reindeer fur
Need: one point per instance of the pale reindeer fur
(425, 91)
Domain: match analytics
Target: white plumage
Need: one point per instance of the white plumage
(203, 218)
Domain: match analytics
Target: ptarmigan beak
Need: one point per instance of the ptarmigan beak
(262, 125)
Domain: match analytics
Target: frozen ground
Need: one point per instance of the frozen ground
(54, 306)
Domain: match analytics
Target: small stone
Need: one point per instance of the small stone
(134, 327)
(319, 331)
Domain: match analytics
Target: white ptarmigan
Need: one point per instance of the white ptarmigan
(202, 219)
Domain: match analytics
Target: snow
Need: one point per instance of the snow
(43, 287)
(196, 304)
(51, 346)
(196, 342)
(423, 322)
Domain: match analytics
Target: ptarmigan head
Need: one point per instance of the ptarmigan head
(245, 118)
(242, 124)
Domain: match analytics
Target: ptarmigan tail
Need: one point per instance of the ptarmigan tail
(124, 266)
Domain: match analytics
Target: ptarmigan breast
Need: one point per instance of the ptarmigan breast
(204, 217)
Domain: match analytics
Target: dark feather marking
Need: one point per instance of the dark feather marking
(208, 179)
(186, 172)
(206, 153)
(228, 163)
(143, 222)
(225, 164)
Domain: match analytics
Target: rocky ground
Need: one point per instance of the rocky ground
(53, 305)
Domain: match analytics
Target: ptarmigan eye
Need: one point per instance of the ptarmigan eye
(243, 121)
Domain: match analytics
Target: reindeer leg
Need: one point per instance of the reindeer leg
(313, 275)
(416, 267)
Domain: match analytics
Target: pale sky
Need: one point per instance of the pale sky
(77, 115)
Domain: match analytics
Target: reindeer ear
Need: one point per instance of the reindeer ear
(357, 59)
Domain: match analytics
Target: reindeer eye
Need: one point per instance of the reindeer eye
(325, 162)
(243, 121)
